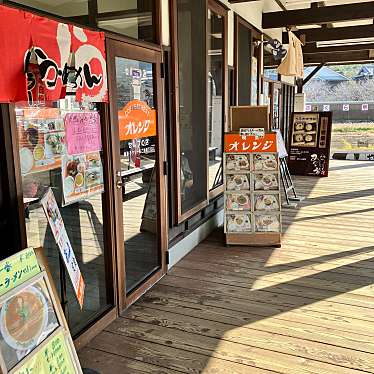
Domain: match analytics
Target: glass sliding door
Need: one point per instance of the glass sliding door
(138, 141)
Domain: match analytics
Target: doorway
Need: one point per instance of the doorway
(136, 113)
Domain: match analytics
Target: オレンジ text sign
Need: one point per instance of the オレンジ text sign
(136, 120)
(235, 143)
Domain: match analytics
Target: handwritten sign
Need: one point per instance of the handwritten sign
(18, 269)
(256, 132)
(53, 358)
(235, 143)
(83, 132)
(56, 223)
(137, 120)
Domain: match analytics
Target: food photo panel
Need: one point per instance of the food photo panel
(238, 222)
(265, 161)
(305, 130)
(267, 222)
(235, 182)
(27, 318)
(304, 139)
(266, 202)
(238, 201)
(237, 162)
(266, 181)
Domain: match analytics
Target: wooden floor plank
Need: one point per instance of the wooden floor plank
(166, 356)
(228, 352)
(306, 307)
(248, 336)
(108, 363)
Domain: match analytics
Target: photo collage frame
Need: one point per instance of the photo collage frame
(252, 193)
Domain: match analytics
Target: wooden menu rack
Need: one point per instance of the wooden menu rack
(252, 191)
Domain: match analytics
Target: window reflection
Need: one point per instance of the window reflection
(215, 97)
(135, 19)
(43, 157)
(192, 102)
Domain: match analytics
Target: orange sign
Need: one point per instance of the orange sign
(235, 143)
(136, 120)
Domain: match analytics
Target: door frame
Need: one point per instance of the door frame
(115, 47)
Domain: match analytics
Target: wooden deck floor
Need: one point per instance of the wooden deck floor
(307, 307)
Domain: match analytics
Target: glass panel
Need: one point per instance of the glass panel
(138, 138)
(192, 102)
(62, 8)
(46, 164)
(133, 18)
(215, 97)
(244, 65)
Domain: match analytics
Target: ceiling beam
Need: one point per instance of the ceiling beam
(279, 2)
(328, 58)
(318, 15)
(311, 48)
(337, 33)
(335, 57)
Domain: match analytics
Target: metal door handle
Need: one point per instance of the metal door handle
(120, 184)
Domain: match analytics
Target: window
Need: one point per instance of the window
(247, 62)
(216, 96)
(200, 102)
(72, 9)
(135, 18)
(191, 21)
(77, 182)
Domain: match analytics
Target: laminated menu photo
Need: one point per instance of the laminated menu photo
(265, 161)
(305, 130)
(267, 222)
(237, 182)
(266, 202)
(266, 181)
(237, 162)
(238, 201)
(238, 222)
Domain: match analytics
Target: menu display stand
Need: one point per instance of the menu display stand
(252, 207)
(310, 139)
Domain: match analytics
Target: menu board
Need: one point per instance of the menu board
(54, 357)
(57, 226)
(82, 169)
(26, 319)
(33, 333)
(41, 137)
(82, 176)
(83, 132)
(252, 191)
(310, 139)
(18, 269)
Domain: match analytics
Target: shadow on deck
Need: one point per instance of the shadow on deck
(304, 308)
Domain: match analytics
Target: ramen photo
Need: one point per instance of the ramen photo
(27, 318)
